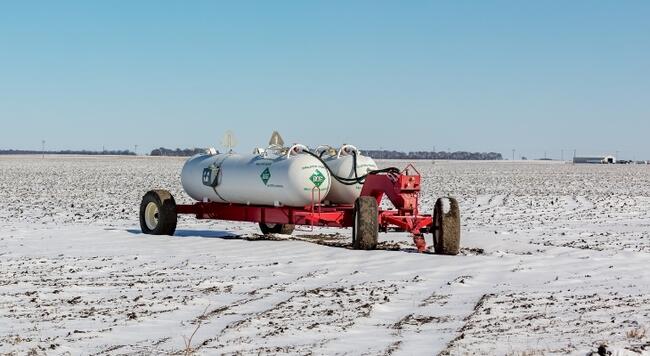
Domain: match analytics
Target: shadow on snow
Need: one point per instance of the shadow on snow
(208, 234)
(329, 240)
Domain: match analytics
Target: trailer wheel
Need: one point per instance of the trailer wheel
(446, 233)
(158, 213)
(284, 229)
(365, 229)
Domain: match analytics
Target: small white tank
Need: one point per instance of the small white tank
(275, 176)
(341, 163)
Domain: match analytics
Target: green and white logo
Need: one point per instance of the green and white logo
(266, 175)
(317, 178)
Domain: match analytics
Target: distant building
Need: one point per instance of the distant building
(595, 160)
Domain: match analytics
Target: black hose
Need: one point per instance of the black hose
(354, 165)
(356, 179)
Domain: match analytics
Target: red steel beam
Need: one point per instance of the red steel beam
(340, 216)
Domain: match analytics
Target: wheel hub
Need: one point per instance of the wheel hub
(151, 215)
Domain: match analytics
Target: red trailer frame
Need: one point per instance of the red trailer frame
(402, 190)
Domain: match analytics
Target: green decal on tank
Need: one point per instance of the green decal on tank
(266, 175)
(317, 178)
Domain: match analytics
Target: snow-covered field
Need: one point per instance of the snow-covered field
(555, 260)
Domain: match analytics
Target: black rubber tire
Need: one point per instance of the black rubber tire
(365, 229)
(166, 212)
(446, 232)
(284, 229)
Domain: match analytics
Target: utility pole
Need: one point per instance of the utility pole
(513, 154)
(136, 150)
(562, 155)
(42, 148)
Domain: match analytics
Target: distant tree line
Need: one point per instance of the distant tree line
(177, 152)
(461, 155)
(378, 154)
(187, 152)
(68, 152)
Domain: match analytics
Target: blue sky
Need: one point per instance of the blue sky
(460, 75)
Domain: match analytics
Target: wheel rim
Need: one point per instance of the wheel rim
(438, 221)
(355, 227)
(151, 215)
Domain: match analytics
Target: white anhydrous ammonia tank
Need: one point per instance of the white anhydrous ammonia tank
(341, 163)
(289, 179)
